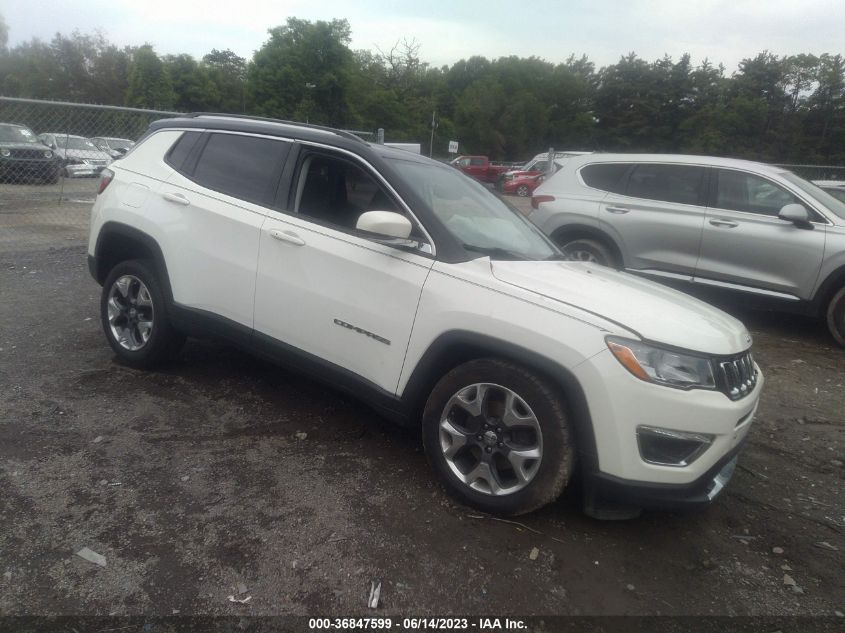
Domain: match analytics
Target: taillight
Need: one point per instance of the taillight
(105, 178)
(536, 200)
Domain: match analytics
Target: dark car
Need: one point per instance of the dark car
(23, 157)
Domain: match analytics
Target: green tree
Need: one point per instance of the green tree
(149, 83)
(303, 72)
(192, 87)
(227, 71)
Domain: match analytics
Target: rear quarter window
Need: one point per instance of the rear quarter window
(180, 150)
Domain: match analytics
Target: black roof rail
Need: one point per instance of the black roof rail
(343, 133)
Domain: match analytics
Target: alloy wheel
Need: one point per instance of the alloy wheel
(491, 439)
(130, 312)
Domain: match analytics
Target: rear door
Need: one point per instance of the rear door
(218, 198)
(657, 213)
(746, 244)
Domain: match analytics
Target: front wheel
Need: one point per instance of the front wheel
(498, 437)
(836, 316)
(134, 316)
(522, 191)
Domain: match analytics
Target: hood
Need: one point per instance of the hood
(653, 311)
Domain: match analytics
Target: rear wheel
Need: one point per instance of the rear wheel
(134, 316)
(498, 437)
(588, 250)
(836, 316)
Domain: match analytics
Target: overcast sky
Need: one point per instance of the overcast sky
(725, 31)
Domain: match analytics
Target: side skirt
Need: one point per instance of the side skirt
(203, 324)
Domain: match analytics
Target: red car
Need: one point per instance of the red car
(522, 186)
(480, 168)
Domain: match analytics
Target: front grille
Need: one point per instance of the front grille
(28, 153)
(736, 376)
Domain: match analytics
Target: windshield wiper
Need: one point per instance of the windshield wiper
(496, 252)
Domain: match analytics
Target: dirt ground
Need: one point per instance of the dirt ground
(224, 475)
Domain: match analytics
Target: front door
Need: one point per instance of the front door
(746, 244)
(329, 290)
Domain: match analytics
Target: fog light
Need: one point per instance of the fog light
(671, 448)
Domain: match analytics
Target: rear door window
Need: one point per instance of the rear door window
(246, 167)
(606, 176)
(681, 184)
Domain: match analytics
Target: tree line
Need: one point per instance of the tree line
(772, 108)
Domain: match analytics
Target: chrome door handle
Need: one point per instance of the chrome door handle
(617, 209)
(724, 223)
(178, 198)
(287, 236)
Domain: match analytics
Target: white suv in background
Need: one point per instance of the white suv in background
(717, 223)
(414, 288)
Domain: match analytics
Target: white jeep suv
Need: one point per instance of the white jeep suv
(411, 286)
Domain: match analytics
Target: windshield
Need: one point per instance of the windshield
(477, 218)
(75, 142)
(15, 134)
(830, 203)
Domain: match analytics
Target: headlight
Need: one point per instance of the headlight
(5, 153)
(48, 154)
(663, 366)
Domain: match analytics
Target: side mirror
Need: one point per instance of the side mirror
(797, 214)
(385, 223)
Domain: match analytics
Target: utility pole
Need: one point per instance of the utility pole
(431, 142)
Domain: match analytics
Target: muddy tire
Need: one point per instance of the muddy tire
(498, 437)
(588, 250)
(836, 316)
(134, 316)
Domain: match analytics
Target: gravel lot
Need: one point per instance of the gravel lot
(224, 473)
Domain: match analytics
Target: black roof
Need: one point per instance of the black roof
(289, 129)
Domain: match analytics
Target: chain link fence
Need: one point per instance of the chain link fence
(51, 156)
(52, 152)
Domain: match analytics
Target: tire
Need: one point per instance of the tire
(539, 427)
(588, 250)
(522, 191)
(836, 316)
(136, 322)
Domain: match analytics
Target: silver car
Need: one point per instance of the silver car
(79, 156)
(719, 223)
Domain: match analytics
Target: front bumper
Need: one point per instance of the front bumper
(22, 167)
(619, 403)
(603, 489)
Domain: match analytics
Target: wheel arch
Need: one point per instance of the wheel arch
(456, 347)
(119, 242)
(831, 284)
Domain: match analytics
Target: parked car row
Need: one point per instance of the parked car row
(47, 156)
(709, 223)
